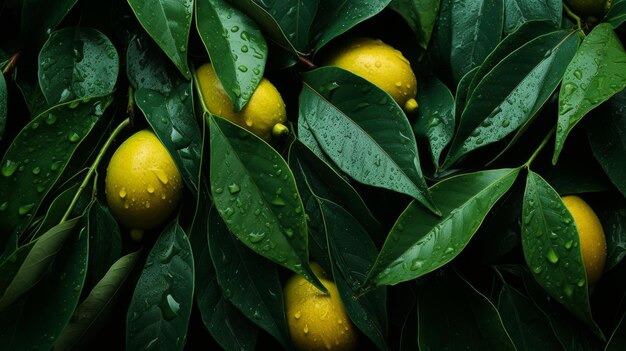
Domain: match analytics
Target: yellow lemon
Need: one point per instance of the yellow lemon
(589, 7)
(382, 65)
(592, 239)
(263, 115)
(317, 321)
(142, 185)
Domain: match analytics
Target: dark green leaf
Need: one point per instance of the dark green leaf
(31, 91)
(77, 63)
(305, 135)
(91, 310)
(518, 12)
(172, 118)
(39, 18)
(420, 15)
(512, 93)
(617, 13)
(256, 195)
(337, 17)
(421, 242)
(363, 131)
(476, 30)
(37, 157)
(596, 73)
(617, 341)
(236, 47)
(159, 312)
(552, 248)
(147, 66)
(3, 105)
(105, 241)
(463, 94)
(441, 41)
(612, 215)
(37, 318)
(453, 315)
(168, 22)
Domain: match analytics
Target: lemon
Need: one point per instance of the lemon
(380, 64)
(589, 7)
(142, 184)
(263, 115)
(317, 321)
(592, 239)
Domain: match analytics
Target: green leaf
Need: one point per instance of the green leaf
(420, 15)
(37, 156)
(552, 248)
(617, 341)
(3, 105)
(159, 311)
(305, 135)
(236, 47)
(513, 92)
(173, 120)
(168, 22)
(606, 136)
(475, 32)
(612, 214)
(77, 63)
(337, 17)
(344, 113)
(594, 75)
(147, 66)
(36, 319)
(519, 12)
(105, 241)
(435, 119)
(453, 315)
(617, 14)
(421, 242)
(463, 94)
(248, 280)
(39, 18)
(93, 309)
(256, 195)
(441, 41)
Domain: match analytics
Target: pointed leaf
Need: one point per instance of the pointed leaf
(421, 242)
(363, 131)
(463, 91)
(236, 47)
(105, 242)
(159, 311)
(148, 67)
(256, 195)
(168, 22)
(596, 73)
(39, 18)
(617, 14)
(420, 15)
(518, 12)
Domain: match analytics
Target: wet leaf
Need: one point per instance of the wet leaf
(168, 22)
(305, 135)
(77, 63)
(617, 14)
(463, 94)
(597, 72)
(420, 15)
(519, 12)
(421, 242)
(159, 311)
(39, 18)
(344, 113)
(3, 105)
(148, 67)
(236, 47)
(105, 242)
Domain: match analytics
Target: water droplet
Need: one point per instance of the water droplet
(36, 170)
(219, 190)
(568, 245)
(448, 250)
(25, 209)
(150, 189)
(297, 315)
(160, 174)
(256, 237)
(244, 48)
(169, 307)
(278, 201)
(581, 283)
(122, 193)
(243, 68)
(568, 290)
(578, 74)
(73, 137)
(51, 119)
(233, 188)
(4, 206)
(506, 123)
(8, 168)
(234, 29)
(289, 233)
(147, 204)
(306, 329)
(552, 256)
(538, 270)
(228, 212)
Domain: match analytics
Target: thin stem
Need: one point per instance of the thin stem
(130, 106)
(541, 146)
(94, 166)
(306, 62)
(11, 64)
(574, 16)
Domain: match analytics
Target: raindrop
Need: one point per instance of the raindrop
(73, 137)
(150, 189)
(160, 174)
(297, 315)
(417, 264)
(234, 29)
(25, 209)
(552, 256)
(538, 270)
(578, 74)
(289, 233)
(581, 283)
(278, 201)
(243, 68)
(568, 245)
(233, 188)
(506, 123)
(122, 193)
(169, 307)
(9, 168)
(36, 170)
(244, 49)
(51, 119)
(569, 290)
(219, 190)
(567, 220)
(256, 237)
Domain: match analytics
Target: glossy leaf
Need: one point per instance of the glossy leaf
(518, 12)
(453, 315)
(168, 22)
(148, 67)
(552, 248)
(476, 30)
(159, 311)
(363, 131)
(256, 195)
(40, 18)
(513, 92)
(337, 17)
(3, 105)
(596, 73)
(248, 280)
(77, 63)
(617, 341)
(421, 242)
(463, 94)
(617, 14)
(32, 322)
(105, 242)
(95, 306)
(440, 46)
(37, 157)
(236, 47)
(420, 15)
(305, 135)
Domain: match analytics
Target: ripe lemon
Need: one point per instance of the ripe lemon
(317, 321)
(142, 185)
(589, 7)
(263, 115)
(380, 64)
(592, 239)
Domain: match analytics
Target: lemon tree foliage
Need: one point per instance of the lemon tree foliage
(319, 174)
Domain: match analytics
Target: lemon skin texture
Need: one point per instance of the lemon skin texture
(592, 239)
(317, 321)
(595, 8)
(264, 114)
(142, 184)
(382, 65)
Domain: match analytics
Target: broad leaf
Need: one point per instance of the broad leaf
(363, 131)
(518, 12)
(463, 94)
(105, 242)
(3, 105)
(421, 242)
(236, 47)
(168, 22)
(420, 15)
(147, 66)
(440, 46)
(39, 18)
(617, 14)
(595, 74)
